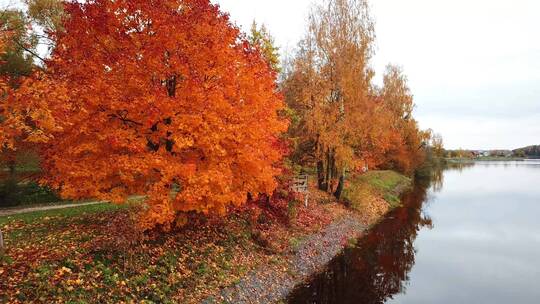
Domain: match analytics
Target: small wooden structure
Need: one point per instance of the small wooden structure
(300, 185)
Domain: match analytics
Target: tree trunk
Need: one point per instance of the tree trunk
(328, 170)
(340, 186)
(320, 175)
(171, 86)
(333, 172)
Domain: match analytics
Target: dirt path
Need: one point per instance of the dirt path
(13, 211)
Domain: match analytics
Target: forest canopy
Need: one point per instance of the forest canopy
(170, 100)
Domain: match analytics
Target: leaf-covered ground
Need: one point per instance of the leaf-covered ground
(90, 254)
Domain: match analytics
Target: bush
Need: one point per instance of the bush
(13, 193)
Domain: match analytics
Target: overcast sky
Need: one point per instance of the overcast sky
(473, 65)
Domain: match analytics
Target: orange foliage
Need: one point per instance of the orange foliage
(405, 151)
(3, 81)
(329, 89)
(344, 121)
(162, 98)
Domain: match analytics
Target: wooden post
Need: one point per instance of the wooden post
(300, 185)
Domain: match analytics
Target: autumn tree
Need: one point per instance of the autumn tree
(437, 145)
(406, 150)
(345, 122)
(35, 24)
(24, 32)
(4, 37)
(49, 14)
(329, 88)
(46, 18)
(397, 95)
(16, 61)
(161, 98)
(260, 37)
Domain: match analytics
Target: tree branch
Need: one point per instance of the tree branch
(28, 50)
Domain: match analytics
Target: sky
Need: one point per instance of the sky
(473, 65)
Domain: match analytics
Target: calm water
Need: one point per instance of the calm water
(470, 236)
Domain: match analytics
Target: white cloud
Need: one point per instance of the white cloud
(474, 66)
(286, 19)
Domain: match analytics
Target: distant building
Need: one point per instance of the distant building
(482, 153)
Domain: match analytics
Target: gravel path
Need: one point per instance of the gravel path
(20, 210)
(13, 211)
(271, 284)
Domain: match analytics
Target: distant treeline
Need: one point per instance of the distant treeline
(527, 152)
(530, 151)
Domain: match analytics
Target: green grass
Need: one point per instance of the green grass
(384, 181)
(386, 184)
(31, 217)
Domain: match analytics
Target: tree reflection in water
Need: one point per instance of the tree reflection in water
(437, 176)
(378, 266)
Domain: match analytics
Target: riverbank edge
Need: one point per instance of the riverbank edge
(484, 159)
(274, 283)
(208, 258)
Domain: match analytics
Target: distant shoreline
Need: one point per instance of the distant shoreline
(486, 159)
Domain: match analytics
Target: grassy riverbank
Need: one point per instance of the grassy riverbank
(376, 185)
(90, 254)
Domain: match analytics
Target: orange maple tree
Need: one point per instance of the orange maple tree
(162, 98)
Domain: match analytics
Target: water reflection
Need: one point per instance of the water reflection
(482, 245)
(437, 173)
(379, 265)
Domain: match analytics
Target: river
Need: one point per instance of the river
(471, 235)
